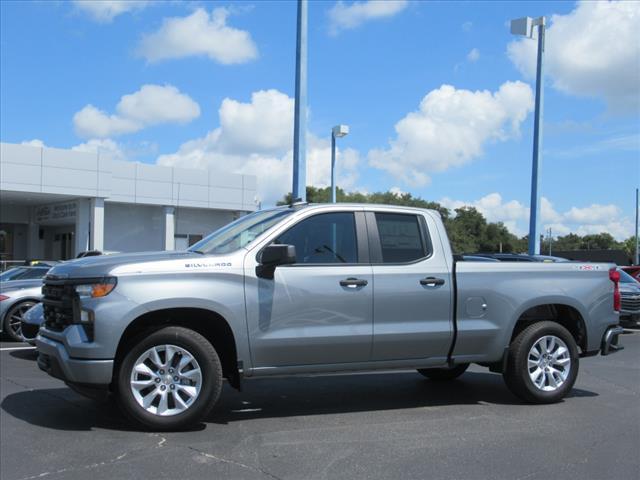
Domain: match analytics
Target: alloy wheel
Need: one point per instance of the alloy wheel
(549, 363)
(166, 380)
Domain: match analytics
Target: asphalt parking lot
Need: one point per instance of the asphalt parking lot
(381, 425)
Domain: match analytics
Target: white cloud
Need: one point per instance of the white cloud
(256, 138)
(593, 51)
(151, 105)
(547, 211)
(495, 209)
(104, 11)
(594, 218)
(199, 34)
(102, 145)
(450, 129)
(593, 214)
(344, 17)
(34, 143)
(397, 191)
(474, 55)
(263, 125)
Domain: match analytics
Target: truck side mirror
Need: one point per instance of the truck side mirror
(272, 256)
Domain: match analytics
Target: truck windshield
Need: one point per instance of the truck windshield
(240, 233)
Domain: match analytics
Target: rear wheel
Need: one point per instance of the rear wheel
(13, 320)
(444, 374)
(542, 363)
(170, 380)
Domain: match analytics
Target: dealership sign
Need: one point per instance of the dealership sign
(60, 211)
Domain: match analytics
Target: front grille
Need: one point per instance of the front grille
(59, 302)
(630, 302)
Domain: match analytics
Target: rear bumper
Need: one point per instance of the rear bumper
(610, 342)
(54, 360)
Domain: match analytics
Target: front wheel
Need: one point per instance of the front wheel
(542, 363)
(170, 379)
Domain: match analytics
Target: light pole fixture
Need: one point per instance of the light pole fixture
(524, 26)
(299, 188)
(338, 131)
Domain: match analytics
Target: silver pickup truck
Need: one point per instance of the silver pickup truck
(312, 289)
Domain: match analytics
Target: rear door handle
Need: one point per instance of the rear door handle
(353, 282)
(432, 281)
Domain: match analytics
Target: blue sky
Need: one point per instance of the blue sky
(370, 66)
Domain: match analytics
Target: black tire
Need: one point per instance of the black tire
(211, 377)
(12, 329)
(443, 374)
(517, 376)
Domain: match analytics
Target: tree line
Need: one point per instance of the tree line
(468, 230)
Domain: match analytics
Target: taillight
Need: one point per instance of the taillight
(3, 297)
(614, 276)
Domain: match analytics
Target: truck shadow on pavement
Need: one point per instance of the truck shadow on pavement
(25, 354)
(62, 409)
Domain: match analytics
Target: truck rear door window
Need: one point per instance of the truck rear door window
(401, 238)
(324, 238)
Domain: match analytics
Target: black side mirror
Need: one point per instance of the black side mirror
(272, 256)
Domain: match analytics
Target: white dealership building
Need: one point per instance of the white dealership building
(55, 203)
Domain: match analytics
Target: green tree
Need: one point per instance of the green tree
(629, 246)
(599, 241)
(567, 242)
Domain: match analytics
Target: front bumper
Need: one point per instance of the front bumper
(54, 360)
(29, 332)
(610, 342)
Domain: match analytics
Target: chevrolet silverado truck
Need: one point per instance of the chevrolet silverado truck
(311, 289)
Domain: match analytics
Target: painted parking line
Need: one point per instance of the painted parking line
(6, 349)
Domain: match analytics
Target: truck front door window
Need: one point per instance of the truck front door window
(324, 238)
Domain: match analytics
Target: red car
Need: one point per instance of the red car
(634, 271)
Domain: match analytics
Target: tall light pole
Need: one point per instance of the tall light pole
(637, 259)
(299, 190)
(524, 26)
(338, 131)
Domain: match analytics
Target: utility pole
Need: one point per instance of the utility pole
(299, 190)
(550, 240)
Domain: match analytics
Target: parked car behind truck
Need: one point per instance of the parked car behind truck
(20, 289)
(312, 289)
(629, 299)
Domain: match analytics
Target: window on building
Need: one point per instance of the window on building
(324, 238)
(401, 238)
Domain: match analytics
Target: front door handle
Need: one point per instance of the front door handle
(353, 282)
(432, 281)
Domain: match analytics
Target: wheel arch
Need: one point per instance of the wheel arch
(208, 323)
(565, 314)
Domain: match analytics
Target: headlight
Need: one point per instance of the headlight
(96, 290)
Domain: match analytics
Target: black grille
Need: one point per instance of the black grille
(630, 302)
(59, 303)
